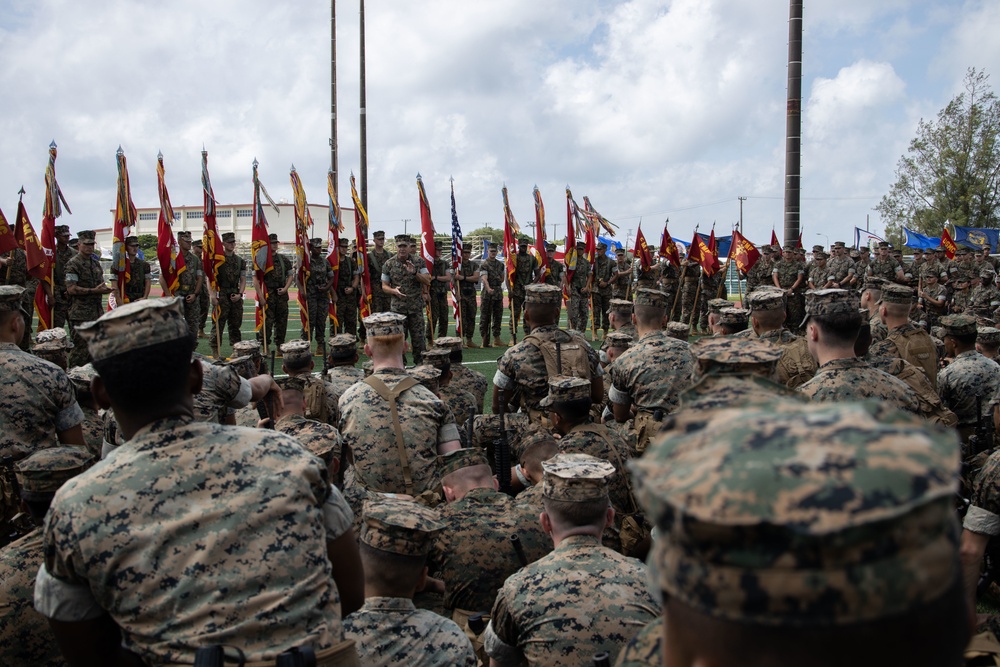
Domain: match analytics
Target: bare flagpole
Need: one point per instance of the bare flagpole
(793, 125)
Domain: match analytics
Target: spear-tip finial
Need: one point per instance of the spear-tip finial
(21, 191)
(418, 176)
(53, 144)
(255, 163)
(451, 179)
(159, 155)
(204, 151)
(293, 168)
(119, 152)
(536, 186)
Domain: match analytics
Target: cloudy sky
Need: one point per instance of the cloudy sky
(654, 109)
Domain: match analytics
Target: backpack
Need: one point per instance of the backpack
(315, 398)
(915, 345)
(563, 353)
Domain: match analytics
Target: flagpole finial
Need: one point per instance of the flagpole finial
(53, 144)
(159, 156)
(119, 152)
(418, 176)
(255, 163)
(293, 168)
(451, 179)
(21, 191)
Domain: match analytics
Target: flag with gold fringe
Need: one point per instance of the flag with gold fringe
(510, 231)
(168, 253)
(212, 254)
(570, 256)
(125, 216)
(668, 249)
(361, 234)
(539, 248)
(51, 209)
(335, 228)
(303, 223)
(260, 249)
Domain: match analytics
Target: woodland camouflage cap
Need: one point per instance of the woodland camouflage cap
(461, 458)
(576, 478)
(799, 514)
(399, 526)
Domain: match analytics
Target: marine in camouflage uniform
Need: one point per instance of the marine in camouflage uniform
(796, 364)
(877, 544)
(841, 267)
(439, 293)
(204, 303)
(231, 278)
(317, 289)
(788, 274)
(578, 307)
(473, 554)
(622, 275)
(526, 269)
(710, 287)
(61, 299)
(468, 282)
(491, 316)
(969, 376)
(464, 377)
(905, 339)
(985, 298)
(461, 401)
(760, 273)
(214, 483)
(604, 272)
(645, 649)
(425, 426)
(276, 282)
(555, 268)
(409, 278)
(885, 266)
(86, 287)
(960, 302)
(842, 376)
(322, 400)
(651, 374)
(690, 277)
(389, 630)
(343, 354)
(321, 439)
(818, 275)
(347, 292)
(580, 599)
(139, 280)
(14, 272)
(93, 418)
(377, 257)
(25, 636)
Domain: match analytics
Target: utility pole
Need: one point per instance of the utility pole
(333, 97)
(364, 120)
(405, 220)
(793, 125)
(742, 199)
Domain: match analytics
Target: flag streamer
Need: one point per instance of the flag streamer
(303, 222)
(168, 252)
(361, 233)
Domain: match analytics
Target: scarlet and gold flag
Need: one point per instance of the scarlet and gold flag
(334, 229)
(641, 250)
(711, 263)
(510, 232)
(948, 244)
(7, 240)
(744, 253)
(361, 234)
(427, 249)
(260, 248)
(212, 254)
(774, 240)
(168, 253)
(701, 253)
(572, 220)
(539, 250)
(303, 223)
(668, 249)
(51, 209)
(125, 216)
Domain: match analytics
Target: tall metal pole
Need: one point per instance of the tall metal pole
(793, 125)
(364, 123)
(742, 199)
(333, 97)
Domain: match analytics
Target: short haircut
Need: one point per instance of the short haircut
(897, 309)
(772, 319)
(456, 356)
(967, 340)
(574, 410)
(730, 328)
(396, 572)
(570, 514)
(842, 329)
(165, 367)
(6, 315)
(386, 343)
(296, 364)
(543, 314)
(649, 316)
(541, 449)
(864, 339)
(470, 477)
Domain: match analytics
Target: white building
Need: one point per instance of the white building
(236, 218)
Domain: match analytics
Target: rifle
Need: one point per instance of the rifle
(265, 409)
(501, 451)
(982, 439)
(273, 354)
(515, 542)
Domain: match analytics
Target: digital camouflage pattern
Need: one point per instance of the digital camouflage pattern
(796, 365)
(804, 514)
(491, 317)
(522, 367)
(347, 301)
(760, 273)
(855, 380)
(983, 515)
(652, 372)
(392, 631)
(276, 320)
(366, 428)
(139, 272)
(599, 441)
(229, 274)
(222, 390)
(579, 600)
(37, 400)
(969, 375)
(376, 260)
(403, 274)
(910, 342)
(690, 274)
(340, 378)
(321, 439)
(197, 310)
(61, 307)
(884, 268)
(318, 298)
(135, 504)
(468, 284)
(931, 406)
(718, 390)
(25, 637)
(578, 306)
(83, 271)
(645, 649)
(471, 381)
(473, 554)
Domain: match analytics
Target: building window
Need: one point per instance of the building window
(149, 216)
(226, 213)
(177, 215)
(194, 215)
(244, 213)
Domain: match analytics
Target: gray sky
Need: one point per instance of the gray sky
(653, 109)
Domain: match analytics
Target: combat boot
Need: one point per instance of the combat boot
(486, 342)
(321, 350)
(469, 344)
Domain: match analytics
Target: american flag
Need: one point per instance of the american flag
(456, 261)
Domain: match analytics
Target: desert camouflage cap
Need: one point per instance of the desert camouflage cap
(733, 316)
(678, 330)
(576, 477)
(246, 347)
(716, 305)
(830, 303)
(564, 388)
(450, 343)
(768, 298)
(342, 343)
(536, 293)
(617, 339)
(427, 375)
(623, 306)
(229, 237)
(52, 339)
(134, 326)
(817, 248)
(983, 321)
(46, 470)
(839, 244)
(798, 514)
(86, 235)
(987, 335)
(958, 325)
(316, 243)
(461, 458)
(399, 526)
(296, 350)
(987, 272)
(378, 235)
(645, 296)
(893, 293)
(10, 297)
(928, 272)
(728, 350)
(385, 324)
(292, 383)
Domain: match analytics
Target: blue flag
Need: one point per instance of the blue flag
(977, 237)
(721, 242)
(612, 246)
(919, 241)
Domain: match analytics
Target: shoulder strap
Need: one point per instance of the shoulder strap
(391, 395)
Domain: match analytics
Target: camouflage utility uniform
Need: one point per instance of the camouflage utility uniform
(187, 281)
(396, 273)
(604, 268)
(276, 321)
(83, 271)
(492, 304)
(230, 275)
(854, 379)
(318, 301)
(392, 631)
(524, 274)
(578, 308)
